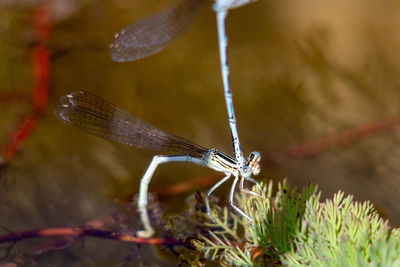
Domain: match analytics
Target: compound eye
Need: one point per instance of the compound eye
(255, 156)
(246, 171)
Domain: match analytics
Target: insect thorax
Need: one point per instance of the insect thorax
(220, 162)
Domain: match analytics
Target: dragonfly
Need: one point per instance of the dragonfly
(94, 115)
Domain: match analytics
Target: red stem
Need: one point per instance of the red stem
(82, 231)
(41, 79)
(346, 138)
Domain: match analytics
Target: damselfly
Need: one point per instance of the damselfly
(92, 114)
(152, 34)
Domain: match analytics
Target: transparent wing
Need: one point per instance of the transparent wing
(92, 114)
(150, 35)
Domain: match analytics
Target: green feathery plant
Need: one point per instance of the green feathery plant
(294, 228)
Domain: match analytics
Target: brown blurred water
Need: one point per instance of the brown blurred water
(300, 71)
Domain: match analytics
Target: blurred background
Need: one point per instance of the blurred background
(315, 86)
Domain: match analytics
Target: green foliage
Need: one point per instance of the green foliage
(341, 232)
(293, 228)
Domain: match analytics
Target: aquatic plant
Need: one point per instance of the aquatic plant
(295, 228)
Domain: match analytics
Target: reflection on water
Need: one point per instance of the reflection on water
(301, 74)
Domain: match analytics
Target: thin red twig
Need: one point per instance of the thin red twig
(41, 76)
(76, 232)
(186, 186)
(346, 138)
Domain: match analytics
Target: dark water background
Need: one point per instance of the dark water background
(300, 72)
